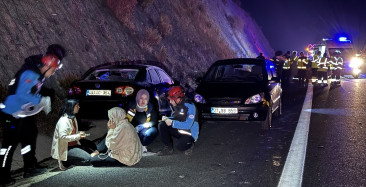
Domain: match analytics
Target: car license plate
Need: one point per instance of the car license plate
(215, 110)
(98, 93)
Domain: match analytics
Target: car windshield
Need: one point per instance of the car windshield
(235, 72)
(113, 74)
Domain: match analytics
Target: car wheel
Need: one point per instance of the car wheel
(278, 111)
(266, 124)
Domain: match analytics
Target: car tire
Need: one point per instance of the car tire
(267, 123)
(278, 111)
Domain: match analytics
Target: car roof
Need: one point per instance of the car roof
(239, 61)
(139, 64)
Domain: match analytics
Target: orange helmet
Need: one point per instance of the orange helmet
(51, 60)
(175, 93)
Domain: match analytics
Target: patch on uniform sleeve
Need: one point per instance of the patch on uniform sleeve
(28, 81)
(191, 116)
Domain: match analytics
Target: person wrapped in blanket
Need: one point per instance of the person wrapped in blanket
(121, 146)
(183, 124)
(144, 117)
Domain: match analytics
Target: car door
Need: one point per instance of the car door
(275, 89)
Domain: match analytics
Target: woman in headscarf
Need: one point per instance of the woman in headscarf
(69, 146)
(121, 146)
(143, 116)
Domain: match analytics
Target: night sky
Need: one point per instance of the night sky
(293, 24)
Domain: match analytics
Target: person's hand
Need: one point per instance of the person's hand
(82, 134)
(164, 118)
(111, 124)
(147, 125)
(46, 103)
(139, 128)
(168, 122)
(95, 153)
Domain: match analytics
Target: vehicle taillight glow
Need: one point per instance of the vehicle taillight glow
(124, 90)
(74, 91)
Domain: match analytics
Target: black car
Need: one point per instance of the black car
(116, 84)
(245, 89)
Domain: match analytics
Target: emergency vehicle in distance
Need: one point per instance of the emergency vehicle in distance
(353, 64)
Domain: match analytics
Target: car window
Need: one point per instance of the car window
(235, 72)
(164, 77)
(113, 74)
(154, 76)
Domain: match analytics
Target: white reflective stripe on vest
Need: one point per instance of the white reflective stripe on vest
(131, 113)
(184, 132)
(3, 151)
(25, 150)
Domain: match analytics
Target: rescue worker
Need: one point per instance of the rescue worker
(333, 66)
(323, 65)
(302, 62)
(286, 69)
(293, 66)
(144, 117)
(314, 67)
(25, 99)
(338, 70)
(183, 123)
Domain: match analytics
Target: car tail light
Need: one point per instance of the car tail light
(74, 91)
(124, 90)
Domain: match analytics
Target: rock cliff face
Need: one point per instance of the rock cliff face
(185, 36)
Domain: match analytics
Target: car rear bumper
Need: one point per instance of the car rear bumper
(99, 108)
(257, 113)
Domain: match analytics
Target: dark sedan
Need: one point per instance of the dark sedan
(245, 89)
(116, 84)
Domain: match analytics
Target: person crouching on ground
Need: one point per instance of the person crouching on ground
(143, 116)
(122, 146)
(69, 146)
(182, 124)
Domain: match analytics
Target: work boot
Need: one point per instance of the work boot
(31, 172)
(167, 150)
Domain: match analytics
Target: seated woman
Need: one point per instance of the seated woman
(121, 146)
(143, 116)
(69, 146)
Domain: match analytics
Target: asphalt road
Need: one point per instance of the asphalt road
(336, 145)
(226, 154)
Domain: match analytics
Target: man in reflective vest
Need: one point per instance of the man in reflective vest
(182, 124)
(339, 67)
(333, 66)
(323, 69)
(314, 67)
(286, 69)
(302, 62)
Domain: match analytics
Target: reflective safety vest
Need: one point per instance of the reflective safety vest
(323, 64)
(333, 63)
(315, 61)
(302, 62)
(287, 64)
(340, 63)
(132, 112)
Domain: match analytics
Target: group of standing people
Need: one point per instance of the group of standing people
(316, 69)
(127, 137)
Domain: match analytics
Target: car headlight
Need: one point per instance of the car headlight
(199, 99)
(257, 98)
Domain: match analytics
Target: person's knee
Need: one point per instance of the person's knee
(162, 125)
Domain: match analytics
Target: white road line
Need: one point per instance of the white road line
(294, 166)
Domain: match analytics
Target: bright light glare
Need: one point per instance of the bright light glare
(343, 39)
(254, 99)
(355, 62)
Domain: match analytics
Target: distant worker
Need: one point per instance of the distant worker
(339, 67)
(261, 56)
(333, 66)
(293, 62)
(286, 69)
(302, 62)
(323, 69)
(314, 66)
(278, 60)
